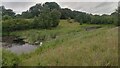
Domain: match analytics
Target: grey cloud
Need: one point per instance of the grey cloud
(18, 7)
(90, 7)
(102, 4)
(107, 8)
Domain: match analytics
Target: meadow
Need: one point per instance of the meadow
(47, 34)
(69, 45)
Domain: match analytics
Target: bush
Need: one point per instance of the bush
(15, 24)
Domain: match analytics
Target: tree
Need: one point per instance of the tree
(35, 10)
(47, 18)
(55, 17)
(32, 12)
(66, 13)
(116, 15)
(18, 16)
(27, 15)
(8, 12)
(82, 18)
(52, 5)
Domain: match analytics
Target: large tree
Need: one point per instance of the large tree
(47, 18)
(66, 13)
(36, 10)
(82, 17)
(52, 5)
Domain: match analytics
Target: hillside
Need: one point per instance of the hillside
(48, 34)
(76, 47)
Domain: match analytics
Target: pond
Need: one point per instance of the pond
(19, 49)
(17, 45)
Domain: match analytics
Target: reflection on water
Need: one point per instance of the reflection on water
(19, 49)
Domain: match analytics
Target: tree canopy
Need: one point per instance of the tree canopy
(48, 15)
(8, 12)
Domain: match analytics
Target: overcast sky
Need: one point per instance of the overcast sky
(90, 6)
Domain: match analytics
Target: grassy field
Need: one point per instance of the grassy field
(33, 35)
(71, 45)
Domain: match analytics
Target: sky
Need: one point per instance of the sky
(89, 6)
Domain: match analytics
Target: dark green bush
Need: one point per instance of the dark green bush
(15, 24)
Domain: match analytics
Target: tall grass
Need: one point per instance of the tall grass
(70, 45)
(93, 48)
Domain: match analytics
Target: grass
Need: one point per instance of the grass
(64, 28)
(0, 55)
(33, 35)
(87, 49)
(9, 59)
(73, 46)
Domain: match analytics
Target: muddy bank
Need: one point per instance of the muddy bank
(7, 41)
(12, 39)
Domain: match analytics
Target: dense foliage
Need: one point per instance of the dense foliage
(83, 18)
(8, 12)
(47, 15)
(52, 5)
(34, 11)
(16, 24)
(6, 17)
(47, 18)
(66, 13)
(104, 19)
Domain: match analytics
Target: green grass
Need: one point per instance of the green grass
(86, 49)
(64, 28)
(9, 59)
(33, 35)
(0, 55)
(73, 46)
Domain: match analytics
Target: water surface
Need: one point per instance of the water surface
(19, 49)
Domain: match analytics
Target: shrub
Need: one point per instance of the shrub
(15, 24)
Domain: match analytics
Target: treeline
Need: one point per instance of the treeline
(44, 17)
(47, 16)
